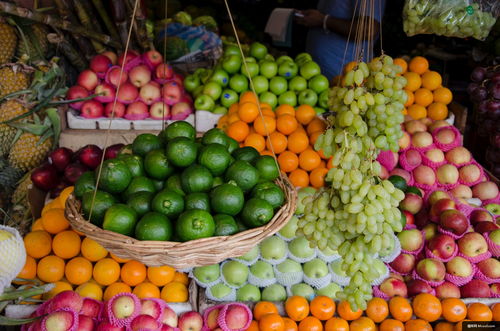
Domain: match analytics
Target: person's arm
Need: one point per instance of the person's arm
(314, 19)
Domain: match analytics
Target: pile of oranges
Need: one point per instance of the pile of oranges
(57, 254)
(287, 132)
(426, 95)
(322, 313)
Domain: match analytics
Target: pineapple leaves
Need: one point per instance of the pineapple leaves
(16, 321)
(55, 120)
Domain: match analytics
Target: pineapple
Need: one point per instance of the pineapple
(20, 213)
(34, 45)
(29, 151)
(8, 110)
(8, 180)
(8, 41)
(14, 77)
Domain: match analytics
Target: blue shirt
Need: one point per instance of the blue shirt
(328, 48)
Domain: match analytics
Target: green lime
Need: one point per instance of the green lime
(168, 203)
(153, 226)
(157, 165)
(103, 200)
(127, 149)
(196, 178)
(181, 151)
(215, 158)
(140, 202)
(398, 182)
(241, 227)
(145, 143)
(197, 200)
(256, 212)
(173, 183)
(134, 164)
(139, 184)
(267, 167)
(178, 129)
(225, 225)
(232, 145)
(214, 136)
(194, 224)
(115, 176)
(120, 218)
(217, 181)
(243, 173)
(227, 199)
(159, 184)
(270, 192)
(85, 183)
(413, 189)
(248, 154)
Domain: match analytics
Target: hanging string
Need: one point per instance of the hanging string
(164, 121)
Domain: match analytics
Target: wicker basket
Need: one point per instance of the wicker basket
(182, 255)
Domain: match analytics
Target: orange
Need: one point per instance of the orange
(391, 325)
(316, 125)
(233, 118)
(362, 324)
(233, 109)
(78, 270)
(290, 325)
(437, 111)
(38, 244)
(133, 273)
(402, 63)
(54, 221)
(271, 322)
(322, 307)
(268, 112)
(423, 97)
(66, 244)
(248, 112)
(336, 324)
(345, 312)
(264, 125)
(160, 276)
(238, 130)
(427, 307)
(298, 142)
(310, 323)
(278, 141)
(51, 205)
(50, 269)
(256, 141)
(285, 109)
(317, 177)
(442, 94)
(413, 81)
(92, 250)
(417, 112)
(286, 124)
(288, 161)
(400, 308)
(114, 289)
(431, 80)
(329, 164)
(117, 258)
(90, 290)
(495, 309)
(262, 308)
(410, 98)
(454, 310)
(377, 309)
(419, 65)
(106, 271)
(254, 326)
(147, 290)
(174, 292)
(37, 225)
(309, 160)
(222, 123)
(59, 287)
(479, 312)
(458, 326)
(299, 178)
(297, 308)
(63, 196)
(314, 136)
(417, 325)
(181, 277)
(443, 326)
(305, 114)
(248, 96)
(28, 271)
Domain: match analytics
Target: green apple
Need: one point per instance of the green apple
(249, 293)
(303, 193)
(289, 266)
(250, 59)
(228, 97)
(251, 254)
(273, 248)
(319, 110)
(191, 82)
(253, 69)
(282, 59)
(288, 69)
(269, 98)
(198, 91)
(315, 268)
(310, 69)
(288, 231)
(495, 236)
(261, 84)
(278, 85)
(232, 50)
(303, 58)
(204, 102)
(232, 63)
(258, 50)
(288, 98)
(329, 290)
(268, 57)
(219, 110)
(319, 83)
(303, 290)
(297, 84)
(301, 248)
(262, 270)
(219, 290)
(493, 208)
(213, 90)
(200, 71)
(221, 77)
(238, 83)
(268, 69)
(205, 76)
(207, 274)
(308, 97)
(235, 273)
(323, 99)
(275, 292)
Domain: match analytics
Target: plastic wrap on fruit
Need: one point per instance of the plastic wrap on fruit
(13, 255)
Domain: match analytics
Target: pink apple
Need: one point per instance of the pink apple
(236, 317)
(454, 221)
(472, 244)
(401, 172)
(411, 240)
(421, 139)
(169, 317)
(139, 75)
(438, 124)
(171, 93)
(88, 79)
(440, 206)
(165, 327)
(92, 109)
(190, 321)
(415, 126)
(422, 218)
(490, 268)
(100, 64)
(111, 56)
(424, 175)
(410, 219)
(152, 58)
(460, 267)
(480, 215)
(445, 136)
(137, 111)
(77, 92)
(461, 191)
(447, 290)
(127, 93)
(122, 59)
(483, 227)
(66, 299)
(447, 174)
(212, 318)
(91, 308)
(85, 323)
(437, 195)
(151, 308)
(142, 322)
(411, 203)
(181, 111)
(426, 120)
(431, 269)
(435, 155)
(417, 286)
(105, 93)
(116, 77)
(404, 263)
(107, 326)
(149, 93)
(413, 157)
(485, 190)
(394, 286)
(164, 71)
(430, 231)
(384, 174)
(470, 173)
(159, 111)
(475, 289)
(442, 246)
(119, 110)
(458, 155)
(58, 320)
(404, 141)
(123, 307)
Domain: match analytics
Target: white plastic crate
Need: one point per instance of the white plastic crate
(206, 120)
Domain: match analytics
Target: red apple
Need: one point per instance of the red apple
(212, 318)
(475, 289)
(181, 111)
(490, 268)
(454, 221)
(472, 244)
(190, 321)
(424, 175)
(236, 317)
(447, 290)
(90, 155)
(422, 218)
(447, 174)
(107, 326)
(485, 190)
(77, 92)
(410, 219)
(116, 77)
(122, 59)
(442, 246)
(470, 173)
(480, 215)
(169, 317)
(119, 110)
(437, 195)
(88, 79)
(111, 56)
(430, 231)
(149, 93)
(411, 203)
(140, 75)
(124, 307)
(100, 64)
(461, 191)
(159, 110)
(66, 299)
(404, 263)
(137, 111)
(483, 227)
(45, 177)
(401, 172)
(171, 93)
(152, 58)
(164, 71)
(58, 320)
(417, 286)
(91, 308)
(460, 267)
(127, 93)
(73, 171)
(393, 287)
(142, 322)
(440, 206)
(445, 136)
(413, 157)
(92, 109)
(85, 323)
(112, 151)
(105, 93)
(458, 155)
(421, 139)
(60, 158)
(411, 240)
(431, 269)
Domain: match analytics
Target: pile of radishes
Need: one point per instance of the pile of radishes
(145, 88)
(125, 311)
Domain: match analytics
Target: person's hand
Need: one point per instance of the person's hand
(312, 18)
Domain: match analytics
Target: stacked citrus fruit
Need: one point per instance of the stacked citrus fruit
(287, 132)
(57, 254)
(322, 313)
(426, 95)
